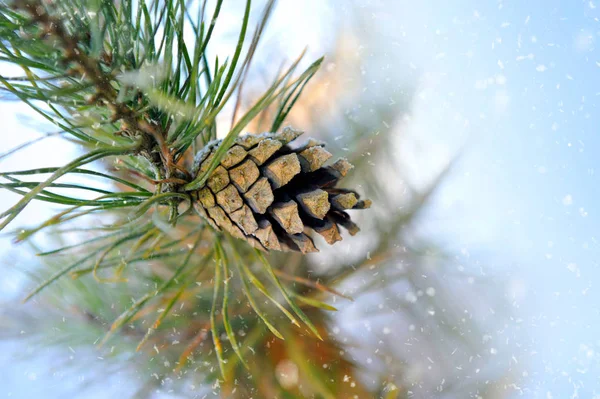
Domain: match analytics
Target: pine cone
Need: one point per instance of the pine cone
(268, 191)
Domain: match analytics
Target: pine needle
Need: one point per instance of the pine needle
(225, 309)
(213, 323)
(285, 294)
(138, 304)
(250, 297)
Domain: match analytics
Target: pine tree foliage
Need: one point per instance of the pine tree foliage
(104, 74)
(122, 79)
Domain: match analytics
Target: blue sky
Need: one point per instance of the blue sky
(517, 84)
(522, 78)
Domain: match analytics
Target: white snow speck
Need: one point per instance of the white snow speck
(410, 297)
(573, 268)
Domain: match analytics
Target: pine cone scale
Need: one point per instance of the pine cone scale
(315, 203)
(260, 196)
(313, 158)
(244, 218)
(244, 175)
(229, 199)
(282, 170)
(234, 156)
(264, 150)
(267, 236)
(286, 214)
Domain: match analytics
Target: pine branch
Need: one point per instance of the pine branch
(99, 77)
(106, 94)
(206, 307)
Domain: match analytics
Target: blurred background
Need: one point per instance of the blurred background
(475, 127)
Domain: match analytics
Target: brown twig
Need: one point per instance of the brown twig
(311, 284)
(187, 352)
(159, 181)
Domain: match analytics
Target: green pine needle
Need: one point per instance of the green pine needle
(213, 323)
(225, 309)
(269, 269)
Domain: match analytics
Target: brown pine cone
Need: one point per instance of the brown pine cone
(268, 191)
